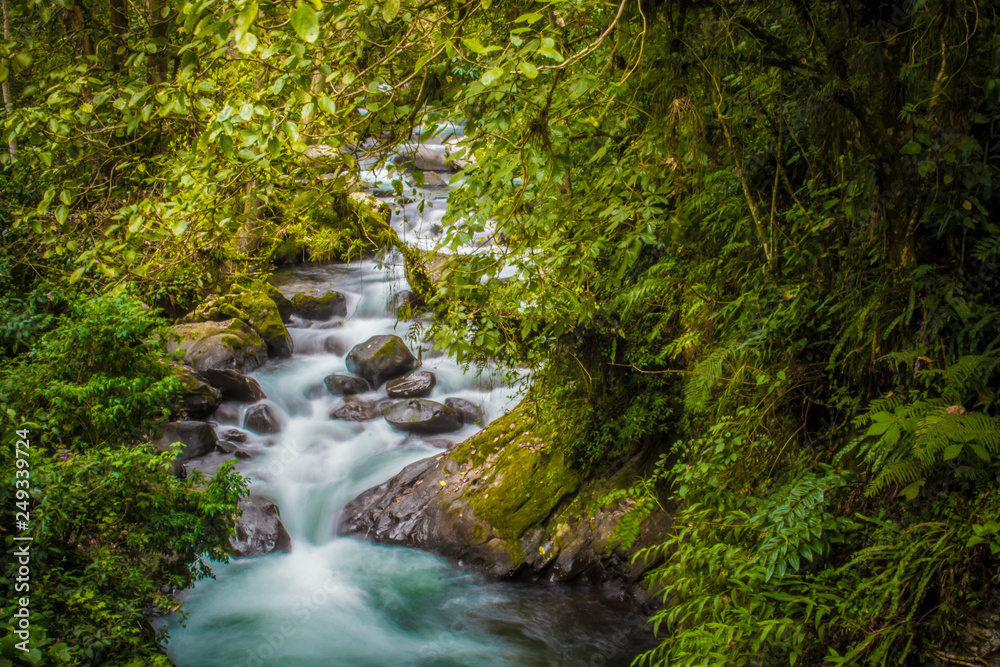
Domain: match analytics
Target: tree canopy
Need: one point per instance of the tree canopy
(759, 238)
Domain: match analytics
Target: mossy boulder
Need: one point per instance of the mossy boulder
(227, 345)
(254, 307)
(319, 306)
(282, 302)
(509, 502)
(380, 358)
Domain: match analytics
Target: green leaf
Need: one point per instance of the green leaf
(912, 148)
(492, 76)
(327, 105)
(246, 18)
(179, 227)
(529, 70)
(473, 45)
(306, 22)
(226, 144)
(951, 451)
(61, 213)
(980, 451)
(77, 274)
(550, 52)
(389, 10)
(247, 43)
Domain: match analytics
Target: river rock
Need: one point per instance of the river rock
(259, 531)
(191, 439)
(253, 307)
(468, 411)
(423, 158)
(235, 386)
(418, 415)
(355, 409)
(414, 384)
(229, 447)
(319, 307)
(345, 385)
(262, 418)
(281, 302)
(228, 345)
(380, 358)
(234, 435)
(511, 503)
(197, 398)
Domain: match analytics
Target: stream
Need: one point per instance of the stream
(342, 602)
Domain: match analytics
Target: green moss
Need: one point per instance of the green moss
(394, 346)
(524, 483)
(249, 307)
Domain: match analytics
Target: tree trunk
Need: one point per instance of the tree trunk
(119, 28)
(5, 86)
(158, 25)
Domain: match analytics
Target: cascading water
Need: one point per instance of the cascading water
(341, 602)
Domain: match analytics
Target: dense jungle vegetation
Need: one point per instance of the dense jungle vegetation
(758, 239)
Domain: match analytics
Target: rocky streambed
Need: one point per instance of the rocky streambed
(322, 413)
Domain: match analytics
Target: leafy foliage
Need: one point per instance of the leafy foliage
(114, 531)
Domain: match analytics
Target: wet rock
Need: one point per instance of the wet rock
(228, 345)
(235, 386)
(355, 409)
(262, 418)
(259, 529)
(508, 503)
(418, 415)
(319, 307)
(380, 358)
(191, 439)
(414, 384)
(197, 398)
(423, 158)
(228, 447)
(234, 435)
(345, 385)
(468, 411)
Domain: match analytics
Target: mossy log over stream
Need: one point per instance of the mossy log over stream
(508, 502)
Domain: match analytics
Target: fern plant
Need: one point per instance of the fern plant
(927, 431)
